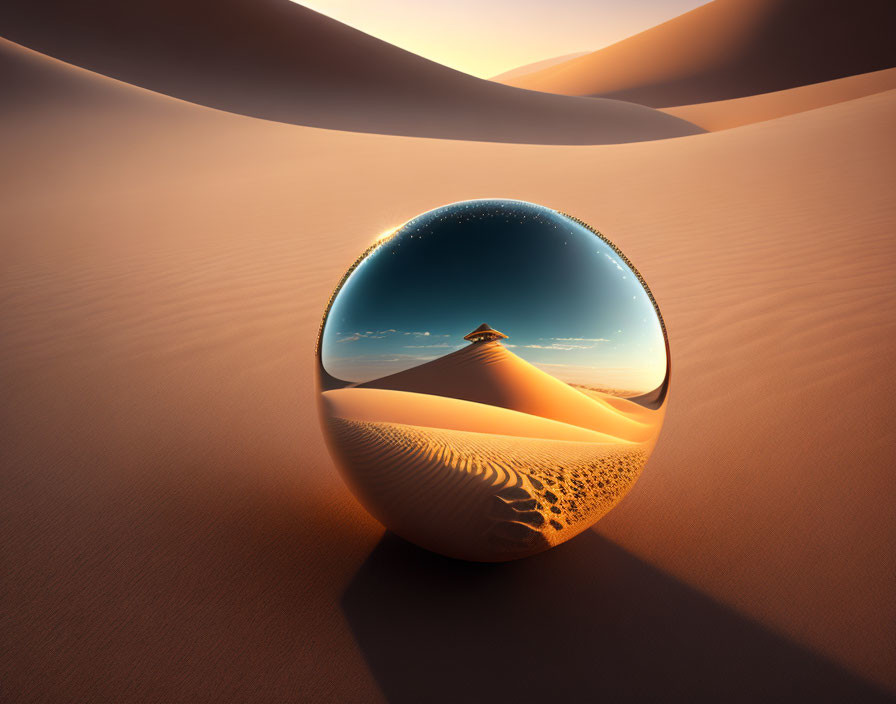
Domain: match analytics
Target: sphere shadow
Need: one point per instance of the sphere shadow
(586, 621)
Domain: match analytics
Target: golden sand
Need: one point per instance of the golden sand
(478, 496)
(489, 373)
(403, 407)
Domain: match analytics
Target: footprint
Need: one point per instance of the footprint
(517, 523)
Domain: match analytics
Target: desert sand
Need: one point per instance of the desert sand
(725, 114)
(537, 66)
(479, 480)
(174, 528)
(730, 49)
(277, 60)
(386, 406)
(489, 373)
(481, 496)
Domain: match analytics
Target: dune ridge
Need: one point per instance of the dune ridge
(730, 49)
(280, 61)
(480, 480)
(388, 406)
(490, 374)
(727, 114)
(537, 66)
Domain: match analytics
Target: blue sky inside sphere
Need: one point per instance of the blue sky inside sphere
(566, 300)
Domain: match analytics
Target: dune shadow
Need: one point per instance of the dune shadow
(586, 621)
(278, 60)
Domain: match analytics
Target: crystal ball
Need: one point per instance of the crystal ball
(492, 377)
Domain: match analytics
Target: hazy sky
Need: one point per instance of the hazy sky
(487, 37)
(568, 302)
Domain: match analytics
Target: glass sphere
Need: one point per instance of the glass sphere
(492, 378)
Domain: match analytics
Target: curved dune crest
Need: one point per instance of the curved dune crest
(730, 49)
(537, 66)
(280, 61)
(30, 80)
(489, 373)
(388, 406)
(726, 114)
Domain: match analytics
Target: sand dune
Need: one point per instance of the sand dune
(731, 49)
(537, 66)
(725, 114)
(173, 525)
(385, 406)
(489, 373)
(475, 480)
(482, 497)
(280, 61)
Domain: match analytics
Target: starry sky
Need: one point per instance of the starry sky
(567, 301)
(488, 37)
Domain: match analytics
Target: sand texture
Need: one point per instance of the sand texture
(489, 373)
(381, 405)
(477, 496)
(453, 463)
(730, 49)
(281, 61)
(725, 114)
(174, 528)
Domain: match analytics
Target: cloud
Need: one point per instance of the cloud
(580, 339)
(369, 334)
(443, 345)
(354, 337)
(380, 334)
(556, 346)
(566, 344)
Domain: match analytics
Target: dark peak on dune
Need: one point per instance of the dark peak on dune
(730, 49)
(485, 333)
(280, 61)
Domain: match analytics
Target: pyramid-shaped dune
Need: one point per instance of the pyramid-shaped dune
(488, 373)
(481, 455)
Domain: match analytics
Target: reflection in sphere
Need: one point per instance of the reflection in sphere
(492, 377)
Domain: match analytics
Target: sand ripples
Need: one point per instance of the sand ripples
(479, 496)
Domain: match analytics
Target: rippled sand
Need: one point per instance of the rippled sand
(479, 496)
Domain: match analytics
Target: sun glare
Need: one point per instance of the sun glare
(386, 234)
